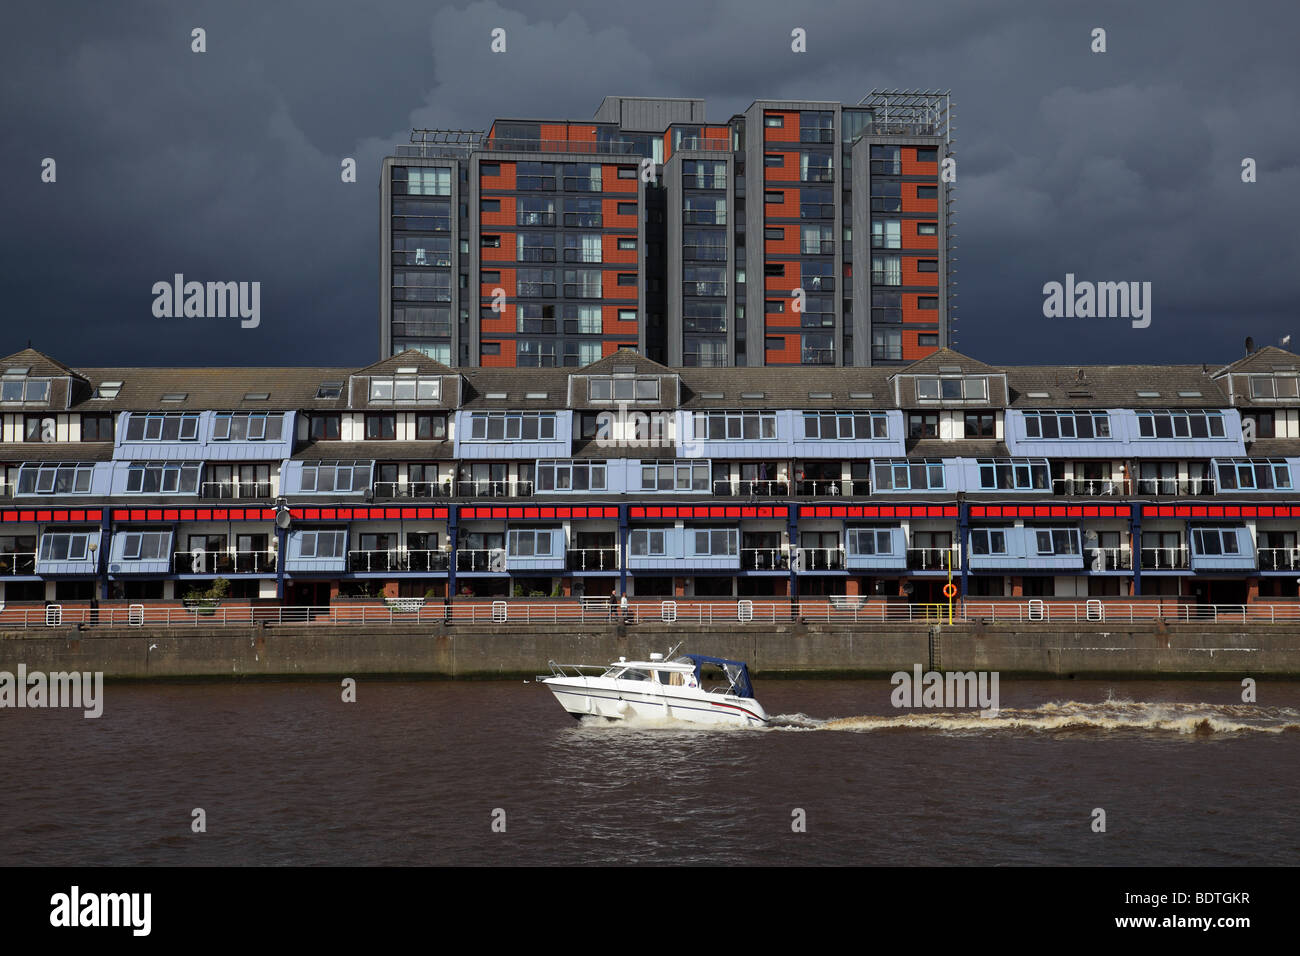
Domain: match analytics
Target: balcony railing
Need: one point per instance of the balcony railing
(1175, 486)
(704, 217)
(17, 562)
(816, 134)
(751, 488)
(1164, 559)
(704, 359)
(223, 562)
(813, 356)
(1109, 559)
(1279, 559)
(615, 148)
(933, 559)
(831, 487)
(413, 489)
(821, 559)
(235, 489)
(818, 247)
(397, 559)
(591, 559)
(1090, 487)
(764, 559)
(481, 559)
(493, 488)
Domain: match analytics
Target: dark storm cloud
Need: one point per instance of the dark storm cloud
(225, 165)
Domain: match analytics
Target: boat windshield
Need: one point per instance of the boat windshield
(627, 673)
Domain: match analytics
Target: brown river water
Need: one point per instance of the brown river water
(416, 772)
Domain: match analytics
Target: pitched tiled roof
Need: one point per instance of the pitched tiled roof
(1114, 386)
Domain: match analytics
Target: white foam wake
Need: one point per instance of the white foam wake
(1071, 715)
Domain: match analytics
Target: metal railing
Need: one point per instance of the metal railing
(223, 562)
(235, 489)
(1108, 559)
(833, 487)
(821, 559)
(481, 559)
(493, 488)
(751, 488)
(1279, 559)
(591, 559)
(397, 559)
(764, 559)
(933, 559)
(1164, 559)
(835, 609)
(1090, 487)
(17, 562)
(413, 489)
(1164, 487)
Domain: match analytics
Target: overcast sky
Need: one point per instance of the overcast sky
(1123, 165)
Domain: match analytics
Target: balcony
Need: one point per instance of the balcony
(223, 562)
(1157, 487)
(397, 560)
(481, 560)
(17, 562)
(535, 219)
(751, 489)
(704, 217)
(818, 247)
(493, 488)
(1279, 559)
(235, 489)
(1090, 487)
(764, 559)
(591, 559)
(816, 134)
(933, 559)
(831, 487)
(818, 357)
(413, 489)
(821, 559)
(1109, 559)
(1164, 559)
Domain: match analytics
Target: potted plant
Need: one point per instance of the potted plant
(206, 602)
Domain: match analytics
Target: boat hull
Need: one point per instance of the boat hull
(588, 698)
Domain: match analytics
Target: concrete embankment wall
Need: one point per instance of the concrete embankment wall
(791, 650)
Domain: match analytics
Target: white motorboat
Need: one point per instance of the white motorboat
(658, 690)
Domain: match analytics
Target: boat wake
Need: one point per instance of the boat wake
(1066, 716)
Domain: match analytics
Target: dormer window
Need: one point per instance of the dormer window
(16, 387)
(952, 388)
(405, 389)
(1273, 386)
(622, 388)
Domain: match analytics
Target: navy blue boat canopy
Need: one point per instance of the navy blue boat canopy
(737, 672)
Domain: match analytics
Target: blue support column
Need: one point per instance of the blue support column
(792, 526)
(622, 549)
(963, 539)
(1135, 538)
(452, 529)
(101, 555)
(281, 554)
